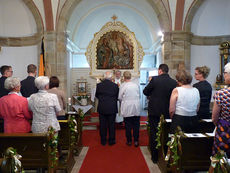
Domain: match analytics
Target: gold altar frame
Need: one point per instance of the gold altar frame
(91, 52)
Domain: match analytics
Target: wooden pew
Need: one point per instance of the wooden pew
(65, 133)
(205, 126)
(34, 149)
(195, 153)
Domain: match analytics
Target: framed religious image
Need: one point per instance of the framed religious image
(114, 51)
(81, 87)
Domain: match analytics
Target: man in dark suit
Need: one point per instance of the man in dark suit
(27, 85)
(107, 94)
(6, 72)
(158, 91)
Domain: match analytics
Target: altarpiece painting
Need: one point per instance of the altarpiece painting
(114, 50)
(114, 47)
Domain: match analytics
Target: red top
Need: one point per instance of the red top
(14, 111)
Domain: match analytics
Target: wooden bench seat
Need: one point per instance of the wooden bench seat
(187, 144)
(33, 148)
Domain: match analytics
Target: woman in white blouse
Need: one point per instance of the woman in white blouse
(129, 95)
(45, 107)
(184, 104)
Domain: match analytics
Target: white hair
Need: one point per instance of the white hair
(227, 68)
(41, 82)
(11, 83)
(108, 75)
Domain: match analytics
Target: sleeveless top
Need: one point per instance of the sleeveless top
(187, 101)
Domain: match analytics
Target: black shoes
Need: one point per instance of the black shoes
(112, 143)
(129, 143)
(136, 143)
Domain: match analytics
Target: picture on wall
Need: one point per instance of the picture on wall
(114, 51)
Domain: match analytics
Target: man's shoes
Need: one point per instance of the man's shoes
(129, 143)
(155, 160)
(112, 142)
(136, 143)
(103, 143)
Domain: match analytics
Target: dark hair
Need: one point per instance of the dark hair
(184, 77)
(31, 68)
(4, 68)
(204, 71)
(54, 82)
(164, 68)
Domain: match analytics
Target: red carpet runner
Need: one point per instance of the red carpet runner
(118, 158)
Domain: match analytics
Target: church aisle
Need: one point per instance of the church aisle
(117, 158)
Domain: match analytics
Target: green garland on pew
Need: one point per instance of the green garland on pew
(81, 113)
(53, 143)
(73, 132)
(174, 148)
(219, 163)
(159, 132)
(11, 162)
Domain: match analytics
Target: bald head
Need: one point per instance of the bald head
(108, 75)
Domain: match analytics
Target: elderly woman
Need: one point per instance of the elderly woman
(129, 95)
(14, 108)
(221, 116)
(53, 88)
(205, 90)
(184, 103)
(45, 107)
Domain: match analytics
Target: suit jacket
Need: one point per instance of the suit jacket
(28, 86)
(3, 91)
(14, 111)
(159, 91)
(107, 94)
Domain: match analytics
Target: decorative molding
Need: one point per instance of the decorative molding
(21, 41)
(91, 52)
(209, 40)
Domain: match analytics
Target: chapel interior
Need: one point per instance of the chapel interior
(180, 33)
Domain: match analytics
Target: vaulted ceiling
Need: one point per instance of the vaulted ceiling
(90, 15)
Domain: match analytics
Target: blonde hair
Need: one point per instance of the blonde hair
(204, 71)
(184, 77)
(127, 75)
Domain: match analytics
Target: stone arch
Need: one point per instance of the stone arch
(157, 6)
(162, 15)
(190, 14)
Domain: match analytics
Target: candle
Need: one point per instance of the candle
(69, 100)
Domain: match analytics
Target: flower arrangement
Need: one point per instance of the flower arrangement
(82, 97)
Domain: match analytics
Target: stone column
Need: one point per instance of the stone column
(176, 50)
(61, 59)
(50, 53)
(56, 56)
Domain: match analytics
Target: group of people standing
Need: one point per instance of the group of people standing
(176, 99)
(40, 99)
(186, 105)
(128, 93)
(33, 98)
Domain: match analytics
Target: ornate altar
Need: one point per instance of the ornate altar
(224, 59)
(114, 47)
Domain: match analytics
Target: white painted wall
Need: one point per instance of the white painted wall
(16, 20)
(211, 19)
(19, 58)
(205, 55)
